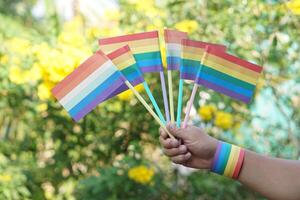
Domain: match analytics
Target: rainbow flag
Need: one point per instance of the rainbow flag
(125, 62)
(192, 52)
(144, 46)
(228, 75)
(146, 51)
(88, 85)
(173, 47)
(122, 58)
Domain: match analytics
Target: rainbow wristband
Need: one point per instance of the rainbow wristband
(228, 160)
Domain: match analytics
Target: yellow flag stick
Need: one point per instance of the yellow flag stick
(141, 99)
(170, 84)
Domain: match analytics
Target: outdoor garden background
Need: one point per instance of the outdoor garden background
(114, 153)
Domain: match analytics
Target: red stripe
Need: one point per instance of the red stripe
(237, 60)
(174, 36)
(118, 52)
(239, 164)
(78, 75)
(130, 37)
(200, 44)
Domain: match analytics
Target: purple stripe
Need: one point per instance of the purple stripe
(186, 76)
(225, 91)
(124, 87)
(148, 69)
(173, 66)
(98, 99)
(216, 157)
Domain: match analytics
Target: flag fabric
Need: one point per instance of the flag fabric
(125, 62)
(192, 52)
(88, 85)
(173, 40)
(122, 58)
(229, 75)
(144, 46)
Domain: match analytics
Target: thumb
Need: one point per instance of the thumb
(176, 132)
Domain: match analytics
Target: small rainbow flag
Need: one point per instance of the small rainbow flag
(173, 47)
(192, 52)
(191, 62)
(229, 75)
(144, 46)
(125, 62)
(146, 51)
(88, 85)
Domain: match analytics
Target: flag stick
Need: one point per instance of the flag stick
(171, 98)
(165, 97)
(179, 103)
(149, 93)
(192, 98)
(141, 99)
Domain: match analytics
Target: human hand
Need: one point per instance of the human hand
(197, 149)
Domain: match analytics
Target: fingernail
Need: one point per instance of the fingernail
(188, 155)
(182, 148)
(172, 126)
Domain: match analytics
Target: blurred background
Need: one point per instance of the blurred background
(113, 153)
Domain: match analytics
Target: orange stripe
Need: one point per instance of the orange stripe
(78, 75)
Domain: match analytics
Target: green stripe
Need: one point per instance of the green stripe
(131, 69)
(147, 56)
(227, 148)
(227, 78)
(190, 63)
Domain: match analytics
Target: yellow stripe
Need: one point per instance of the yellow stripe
(196, 57)
(135, 43)
(145, 49)
(231, 65)
(192, 50)
(230, 161)
(234, 161)
(230, 72)
(125, 64)
(124, 57)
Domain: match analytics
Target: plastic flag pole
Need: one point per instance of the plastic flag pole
(165, 97)
(141, 99)
(149, 93)
(192, 98)
(179, 103)
(171, 98)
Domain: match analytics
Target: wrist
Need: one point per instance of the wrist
(228, 160)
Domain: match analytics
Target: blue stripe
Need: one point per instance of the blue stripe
(132, 76)
(226, 84)
(91, 96)
(146, 63)
(172, 59)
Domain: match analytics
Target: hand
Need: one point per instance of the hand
(197, 149)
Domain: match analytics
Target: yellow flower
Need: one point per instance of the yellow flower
(4, 59)
(16, 75)
(44, 91)
(42, 107)
(223, 120)
(189, 26)
(127, 95)
(5, 178)
(294, 6)
(206, 112)
(141, 174)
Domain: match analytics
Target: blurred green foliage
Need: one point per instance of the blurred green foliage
(45, 155)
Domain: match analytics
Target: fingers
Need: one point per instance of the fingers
(168, 143)
(181, 159)
(175, 151)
